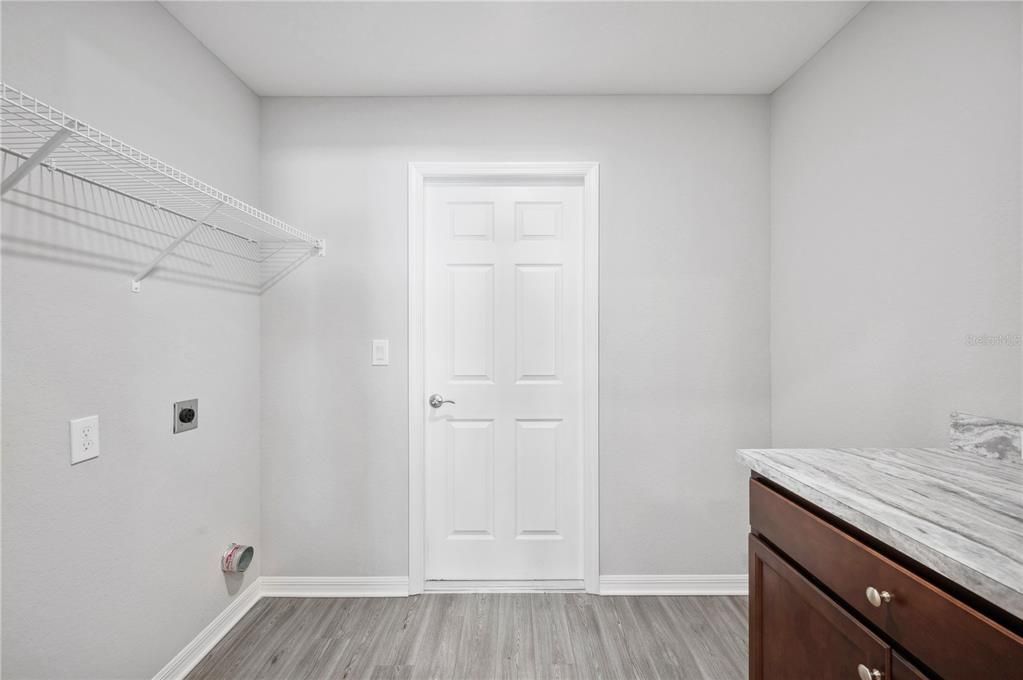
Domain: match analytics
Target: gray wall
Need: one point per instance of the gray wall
(895, 230)
(683, 318)
(110, 567)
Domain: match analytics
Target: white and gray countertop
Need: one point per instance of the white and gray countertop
(960, 515)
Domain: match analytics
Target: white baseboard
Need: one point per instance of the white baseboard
(194, 651)
(569, 586)
(675, 584)
(334, 586)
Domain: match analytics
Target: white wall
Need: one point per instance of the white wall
(895, 229)
(683, 318)
(111, 567)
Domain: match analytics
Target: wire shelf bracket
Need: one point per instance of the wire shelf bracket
(38, 135)
(136, 281)
(35, 159)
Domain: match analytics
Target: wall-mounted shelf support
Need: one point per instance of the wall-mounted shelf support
(321, 248)
(48, 147)
(136, 281)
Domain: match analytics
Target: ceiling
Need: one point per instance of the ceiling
(512, 48)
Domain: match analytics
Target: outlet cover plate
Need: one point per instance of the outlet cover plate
(84, 439)
(182, 423)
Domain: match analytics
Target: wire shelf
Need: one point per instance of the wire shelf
(201, 216)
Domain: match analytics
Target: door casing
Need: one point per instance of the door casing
(419, 174)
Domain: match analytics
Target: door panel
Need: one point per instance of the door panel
(503, 332)
(471, 341)
(536, 479)
(472, 221)
(538, 322)
(470, 473)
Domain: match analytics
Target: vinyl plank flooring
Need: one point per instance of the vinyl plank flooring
(697, 624)
(555, 636)
(671, 656)
(444, 642)
(549, 623)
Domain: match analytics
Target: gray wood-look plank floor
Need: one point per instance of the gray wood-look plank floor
(484, 636)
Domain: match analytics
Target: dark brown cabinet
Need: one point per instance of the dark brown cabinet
(824, 604)
(903, 670)
(799, 631)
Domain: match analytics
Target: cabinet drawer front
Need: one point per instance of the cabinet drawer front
(903, 670)
(957, 642)
(797, 631)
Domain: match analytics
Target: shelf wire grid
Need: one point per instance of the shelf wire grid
(267, 247)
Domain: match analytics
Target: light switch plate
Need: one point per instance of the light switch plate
(381, 353)
(186, 415)
(84, 439)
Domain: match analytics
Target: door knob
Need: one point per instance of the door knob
(437, 401)
(868, 674)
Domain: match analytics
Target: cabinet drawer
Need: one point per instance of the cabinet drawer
(903, 670)
(797, 631)
(954, 640)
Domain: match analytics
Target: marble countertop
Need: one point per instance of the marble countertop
(960, 515)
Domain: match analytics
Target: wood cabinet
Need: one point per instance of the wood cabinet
(799, 631)
(824, 604)
(904, 670)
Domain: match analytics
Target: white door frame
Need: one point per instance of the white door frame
(419, 174)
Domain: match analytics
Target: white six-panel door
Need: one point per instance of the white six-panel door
(503, 334)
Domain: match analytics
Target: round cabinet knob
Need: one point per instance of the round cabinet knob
(868, 674)
(186, 415)
(877, 597)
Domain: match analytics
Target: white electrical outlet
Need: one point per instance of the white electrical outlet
(84, 439)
